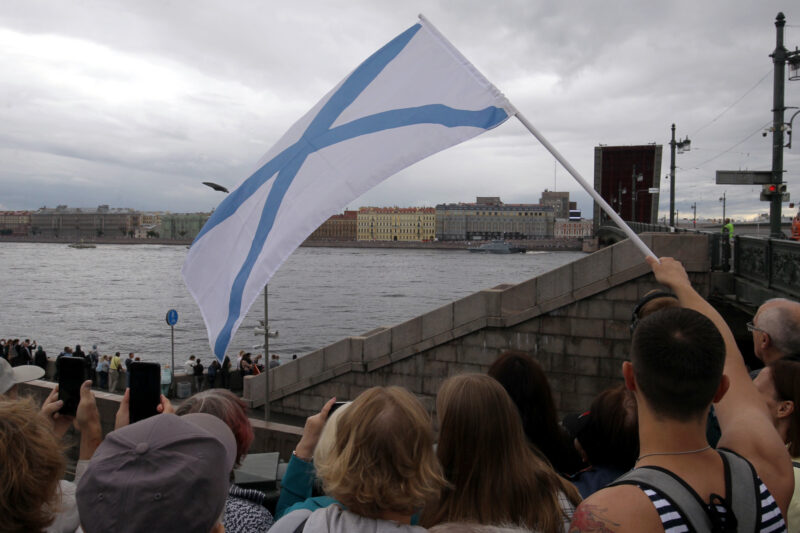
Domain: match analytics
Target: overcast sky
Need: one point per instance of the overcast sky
(135, 103)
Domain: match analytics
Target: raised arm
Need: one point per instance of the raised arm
(742, 413)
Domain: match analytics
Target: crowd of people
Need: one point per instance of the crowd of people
(639, 459)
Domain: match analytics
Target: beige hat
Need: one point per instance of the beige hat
(11, 375)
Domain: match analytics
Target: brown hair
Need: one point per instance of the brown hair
(229, 408)
(526, 383)
(611, 434)
(495, 476)
(32, 464)
(785, 374)
(382, 458)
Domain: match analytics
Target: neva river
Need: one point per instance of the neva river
(116, 296)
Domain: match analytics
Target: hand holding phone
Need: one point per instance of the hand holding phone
(145, 390)
(71, 375)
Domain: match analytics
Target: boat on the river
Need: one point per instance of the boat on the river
(498, 247)
(82, 245)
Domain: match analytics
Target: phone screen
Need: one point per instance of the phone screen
(71, 374)
(145, 390)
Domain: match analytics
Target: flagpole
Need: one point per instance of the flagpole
(593, 193)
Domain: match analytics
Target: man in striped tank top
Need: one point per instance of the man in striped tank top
(682, 360)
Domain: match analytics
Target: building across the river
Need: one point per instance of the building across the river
(180, 225)
(489, 218)
(83, 223)
(396, 224)
(573, 229)
(337, 228)
(15, 222)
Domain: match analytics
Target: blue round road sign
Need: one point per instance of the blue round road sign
(172, 317)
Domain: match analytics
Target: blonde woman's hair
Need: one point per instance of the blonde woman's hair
(494, 475)
(382, 458)
(328, 436)
(32, 462)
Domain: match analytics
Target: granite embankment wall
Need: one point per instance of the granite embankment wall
(574, 320)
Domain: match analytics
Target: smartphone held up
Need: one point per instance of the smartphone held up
(145, 390)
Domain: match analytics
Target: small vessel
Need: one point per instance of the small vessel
(498, 247)
(82, 245)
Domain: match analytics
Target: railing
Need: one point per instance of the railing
(771, 263)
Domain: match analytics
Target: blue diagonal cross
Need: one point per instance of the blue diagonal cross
(319, 135)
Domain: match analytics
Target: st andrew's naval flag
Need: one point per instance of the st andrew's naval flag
(412, 98)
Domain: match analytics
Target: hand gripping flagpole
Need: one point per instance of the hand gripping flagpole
(593, 193)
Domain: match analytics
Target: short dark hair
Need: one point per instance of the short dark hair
(678, 356)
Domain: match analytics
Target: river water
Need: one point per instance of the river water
(117, 296)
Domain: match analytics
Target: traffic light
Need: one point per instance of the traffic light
(770, 190)
(774, 188)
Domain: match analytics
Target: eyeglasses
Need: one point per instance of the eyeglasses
(752, 327)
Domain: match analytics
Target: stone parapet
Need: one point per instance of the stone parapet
(573, 319)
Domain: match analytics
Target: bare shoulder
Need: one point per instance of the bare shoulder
(616, 510)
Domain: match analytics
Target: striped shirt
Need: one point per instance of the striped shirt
(770, 520)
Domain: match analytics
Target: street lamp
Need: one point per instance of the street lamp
(682, 146)
(780, 57)
(634, 179)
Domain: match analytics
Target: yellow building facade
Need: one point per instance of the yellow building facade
(396, 224)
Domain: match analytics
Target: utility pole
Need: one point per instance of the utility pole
(723, 200)
(672, 178)
(779, 59)
(694, 215)
(266, 355)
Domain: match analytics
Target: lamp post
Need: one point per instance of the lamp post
(682, 146)
(634, 178)
(779, 57)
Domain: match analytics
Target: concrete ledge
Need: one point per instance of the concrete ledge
(406, 334)
(254, 389)
(377, 343)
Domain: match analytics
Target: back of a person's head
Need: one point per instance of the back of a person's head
(31, 465)
(652, 302)
(486, 458)
(678, 356)
(785, 374)
(229, 408)
(382, 459)
(163, 474)
(611, 434)
(526, 383)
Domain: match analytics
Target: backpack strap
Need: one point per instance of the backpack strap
(674, 490)
(742, 487)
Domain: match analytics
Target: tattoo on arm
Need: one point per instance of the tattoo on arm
(590, 518)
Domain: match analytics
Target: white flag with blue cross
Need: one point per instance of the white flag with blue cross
(412, 98)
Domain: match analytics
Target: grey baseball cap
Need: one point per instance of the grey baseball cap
(162, 475)
(11, 375)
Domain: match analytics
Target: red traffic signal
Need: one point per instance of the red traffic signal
(774, 188)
